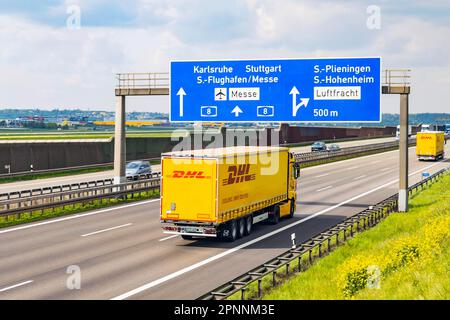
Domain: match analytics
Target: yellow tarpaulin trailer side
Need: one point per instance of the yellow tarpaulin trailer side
(245, 185)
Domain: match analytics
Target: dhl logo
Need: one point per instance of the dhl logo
(238, 174)
(425, 137)
(188, 174)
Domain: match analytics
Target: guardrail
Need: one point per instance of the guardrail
(65, 169)
(293, 260)
(150, 80)
(66, 187)
(39, 203)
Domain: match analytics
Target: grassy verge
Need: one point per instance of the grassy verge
(406, 256)
(8, 221)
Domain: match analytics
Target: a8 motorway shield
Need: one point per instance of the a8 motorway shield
(291, 90)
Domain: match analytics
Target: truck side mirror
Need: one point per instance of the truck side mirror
(296, 170)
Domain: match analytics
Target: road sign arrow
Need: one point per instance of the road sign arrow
(181, 93)
(237, 111)
(303, 101)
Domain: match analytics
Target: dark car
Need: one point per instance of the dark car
(136, 169)
(334, 148)
(318, 146)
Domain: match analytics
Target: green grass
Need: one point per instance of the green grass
(69, 135)
(421, 278)
(12, 220)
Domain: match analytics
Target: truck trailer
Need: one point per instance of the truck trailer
(430, 145)
(223, 192)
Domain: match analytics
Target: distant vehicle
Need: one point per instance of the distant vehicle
(135, 169)
(430, 145)
(397, 134)
(426, 128)
(318, 146)
(334, 148)
(447, 128)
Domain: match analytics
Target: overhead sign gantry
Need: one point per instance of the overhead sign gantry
(290, 90)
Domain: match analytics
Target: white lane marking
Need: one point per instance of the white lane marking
(322, 189)
(360, 177)
(377, 161)
(322, 175)
(351, 168)
(105, 230)
(386, 169)
(167, 238)
(77, 216)
(16, 285)
(249, 243)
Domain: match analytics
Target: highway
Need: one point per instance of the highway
(122, 253)
(48, 182)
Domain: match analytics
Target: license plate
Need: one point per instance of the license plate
(191, 230)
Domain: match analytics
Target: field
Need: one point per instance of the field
(407, 256)
(65, 135)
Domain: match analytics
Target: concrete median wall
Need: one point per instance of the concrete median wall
(68, 153)
(304, 134)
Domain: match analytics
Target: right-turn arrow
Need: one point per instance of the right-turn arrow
(303, 101)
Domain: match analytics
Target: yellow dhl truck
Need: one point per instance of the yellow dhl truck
(223, 192)
(430, 145)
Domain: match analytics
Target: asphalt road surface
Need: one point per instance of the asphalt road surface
(48, 182)
(122, 254)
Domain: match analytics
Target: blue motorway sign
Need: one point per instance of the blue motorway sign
(292, 90)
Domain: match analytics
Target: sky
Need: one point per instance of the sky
(66, 53)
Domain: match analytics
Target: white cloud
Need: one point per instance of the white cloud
(60, 67)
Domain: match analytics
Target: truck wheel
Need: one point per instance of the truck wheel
(248, 225)
(241, 228)
(292, 209)
(230, 231)
(276, 215)
(185, 237)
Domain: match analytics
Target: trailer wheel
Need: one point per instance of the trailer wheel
(292, 209)
(248, 225)
(230, 231)
(241, 227)
(186, 237)
(275, 214)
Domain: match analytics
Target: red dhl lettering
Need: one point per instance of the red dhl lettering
(238, 174)
(180, 174)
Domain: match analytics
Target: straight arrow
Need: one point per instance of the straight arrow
(237, 111)
(294, 92)
(181, 93)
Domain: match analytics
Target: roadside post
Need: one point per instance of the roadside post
(132, 84)
(397, 81)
